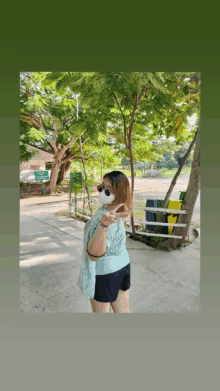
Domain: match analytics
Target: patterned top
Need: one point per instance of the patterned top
(116, 256)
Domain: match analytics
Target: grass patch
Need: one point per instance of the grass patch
(170, 173)
(195, 225)
(71, 215)
(138, 173)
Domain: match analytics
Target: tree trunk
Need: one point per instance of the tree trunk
(101, 169)
(63, 169)
(58, 171)
(189, 199)
(128, 145)
(132, 179)
(57, 162)
(173, 183)
(82, 158)
(53, 177)
(60, 165)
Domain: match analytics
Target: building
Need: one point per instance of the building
(42, 161)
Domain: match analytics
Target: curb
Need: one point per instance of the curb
(196, 232)
(45, 203)
(49, 202)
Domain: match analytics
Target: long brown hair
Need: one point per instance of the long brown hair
(122, 191)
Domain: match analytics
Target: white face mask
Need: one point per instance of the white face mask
(104, 199)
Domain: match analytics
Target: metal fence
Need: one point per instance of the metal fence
(141, 222)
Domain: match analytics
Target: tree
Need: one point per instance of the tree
(173, 183)
(166, 148)
(44, 120)
(27, 154)
(48, 118)
(25, 139)
(182, 138)
(170, 164)
(190, 198)
(100, 154)
(143, 150)
(195, 78)
(134, 100)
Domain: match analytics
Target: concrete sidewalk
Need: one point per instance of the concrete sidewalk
(50, 252)
(36, 200)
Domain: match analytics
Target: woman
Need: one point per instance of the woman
(105, 267)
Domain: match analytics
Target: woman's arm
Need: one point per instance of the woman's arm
(98, 244)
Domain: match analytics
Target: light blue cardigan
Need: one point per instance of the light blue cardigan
(115, 258)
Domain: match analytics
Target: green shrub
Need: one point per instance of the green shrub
(171, 164)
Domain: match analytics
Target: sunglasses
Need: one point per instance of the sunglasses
(100, 188)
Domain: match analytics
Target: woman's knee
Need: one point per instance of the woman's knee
(121, 304)
(99, 307)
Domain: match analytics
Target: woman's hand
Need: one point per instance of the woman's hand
(109, 218)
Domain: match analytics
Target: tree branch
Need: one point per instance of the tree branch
(49, 115)
(54, 146)
(85, 141)
(139, 96)
(70, 120)
(68, 145)
(29, 118)
(196, 91)
(55, 126)
(125, 128)
(41, 149)
(24, 92)
(134, 111)
(69, 157)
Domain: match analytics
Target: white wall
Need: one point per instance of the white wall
(38, 162)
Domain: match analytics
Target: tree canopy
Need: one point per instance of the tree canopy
(136, 107)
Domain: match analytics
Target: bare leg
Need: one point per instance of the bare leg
(122, 302)
(99, 307)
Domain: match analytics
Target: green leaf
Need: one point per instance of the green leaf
(77, 128)
(63, 83)
(186, 90)
(36, 135)
(51, 78)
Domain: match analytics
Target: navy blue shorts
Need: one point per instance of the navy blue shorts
(108, 285)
